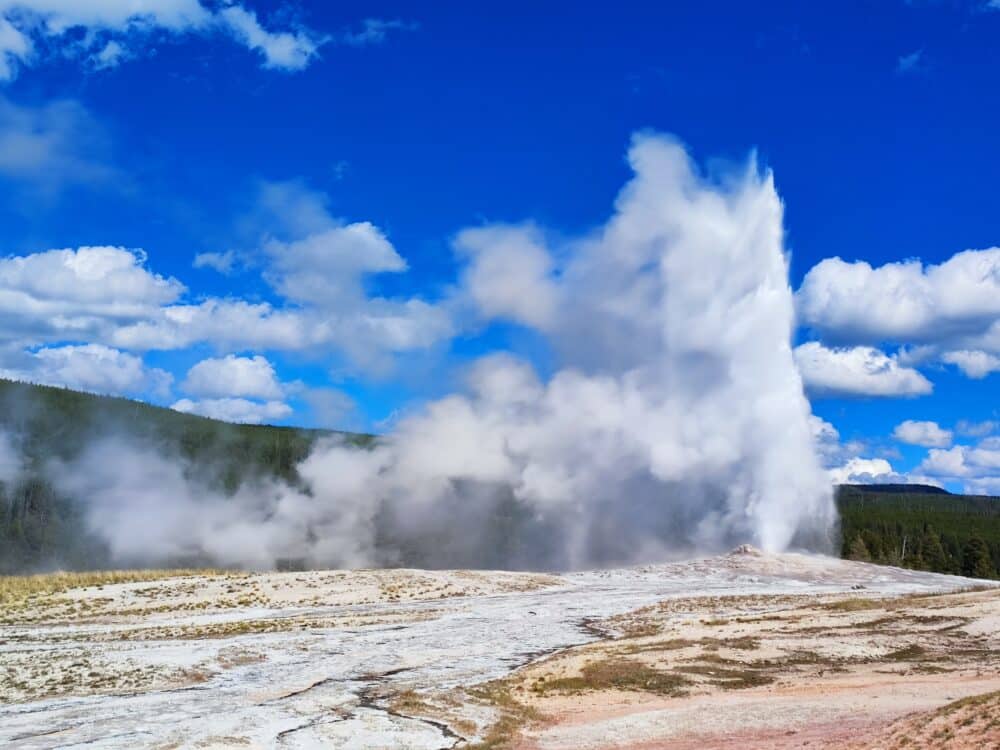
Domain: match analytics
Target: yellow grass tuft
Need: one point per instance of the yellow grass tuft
(17, 590)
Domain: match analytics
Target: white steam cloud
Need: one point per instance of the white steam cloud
(673, 422)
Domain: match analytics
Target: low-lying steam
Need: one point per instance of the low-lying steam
(674, 421)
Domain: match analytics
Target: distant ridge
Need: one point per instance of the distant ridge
(916, 489)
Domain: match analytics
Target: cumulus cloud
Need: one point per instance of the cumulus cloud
(239, 410)
(860, 371)
(975, 364)
(976, 468)
(508, 274)
(89, 367)
(926, 434)
(105, 33)
(860, 470)
(945, 304)
(253, 377)
(79, 294)
(317, 265)
(327, 269)
(284, 50)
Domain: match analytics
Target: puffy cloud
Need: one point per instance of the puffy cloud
(831, 450)
(230, 376)
(327, 269)
(284, 50)
(90, 367)
(238, 410)
(106, 295)
(107, 32)
(508, 274)
(926, 434)
(863, 471)
(856, 372)
(79, 294)
(975, 364)
(946, 304)
(962, 461)
(977, 468)
(221, 262)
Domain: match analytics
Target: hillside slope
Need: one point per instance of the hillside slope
(40, 424)
(921, 527)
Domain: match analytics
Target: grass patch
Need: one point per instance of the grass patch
(728, 678)
(514, 715)
(617, 674)
(16, 590)
(852, 605)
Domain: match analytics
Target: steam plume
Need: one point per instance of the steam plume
(674, 421)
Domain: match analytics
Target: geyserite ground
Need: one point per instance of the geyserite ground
(781, 648)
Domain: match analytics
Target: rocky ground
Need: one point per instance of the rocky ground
(742, 650)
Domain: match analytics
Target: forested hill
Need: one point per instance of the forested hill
(40, 424)
(922, 527)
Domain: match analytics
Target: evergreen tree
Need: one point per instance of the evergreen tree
(859, 551)
(932, 552)
(976, 562)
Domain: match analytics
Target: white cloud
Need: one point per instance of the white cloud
(230, 376)
(284, 50)
(863, 471)
(108, 31)
(89, 367)
(15, 48)
(976, 429)
(375, 31)
(238, 410)
(926, 434)
(508, 274)
(221, 262)
(977, 468)
(975, 364)
(857, 371)
(955, 304)
(53, 145)
(327, 269)
(78, 294)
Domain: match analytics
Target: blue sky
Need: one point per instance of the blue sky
(230, 133)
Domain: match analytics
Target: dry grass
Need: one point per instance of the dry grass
(514, 716)
(16, 590)
(617, 674)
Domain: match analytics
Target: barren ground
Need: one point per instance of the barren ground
(739, 651)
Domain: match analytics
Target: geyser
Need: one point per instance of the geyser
(673, 422)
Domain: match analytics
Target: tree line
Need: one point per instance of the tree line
(922, 530)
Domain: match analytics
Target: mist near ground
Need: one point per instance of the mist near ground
(673, 422)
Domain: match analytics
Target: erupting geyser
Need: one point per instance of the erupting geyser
(673, 422)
